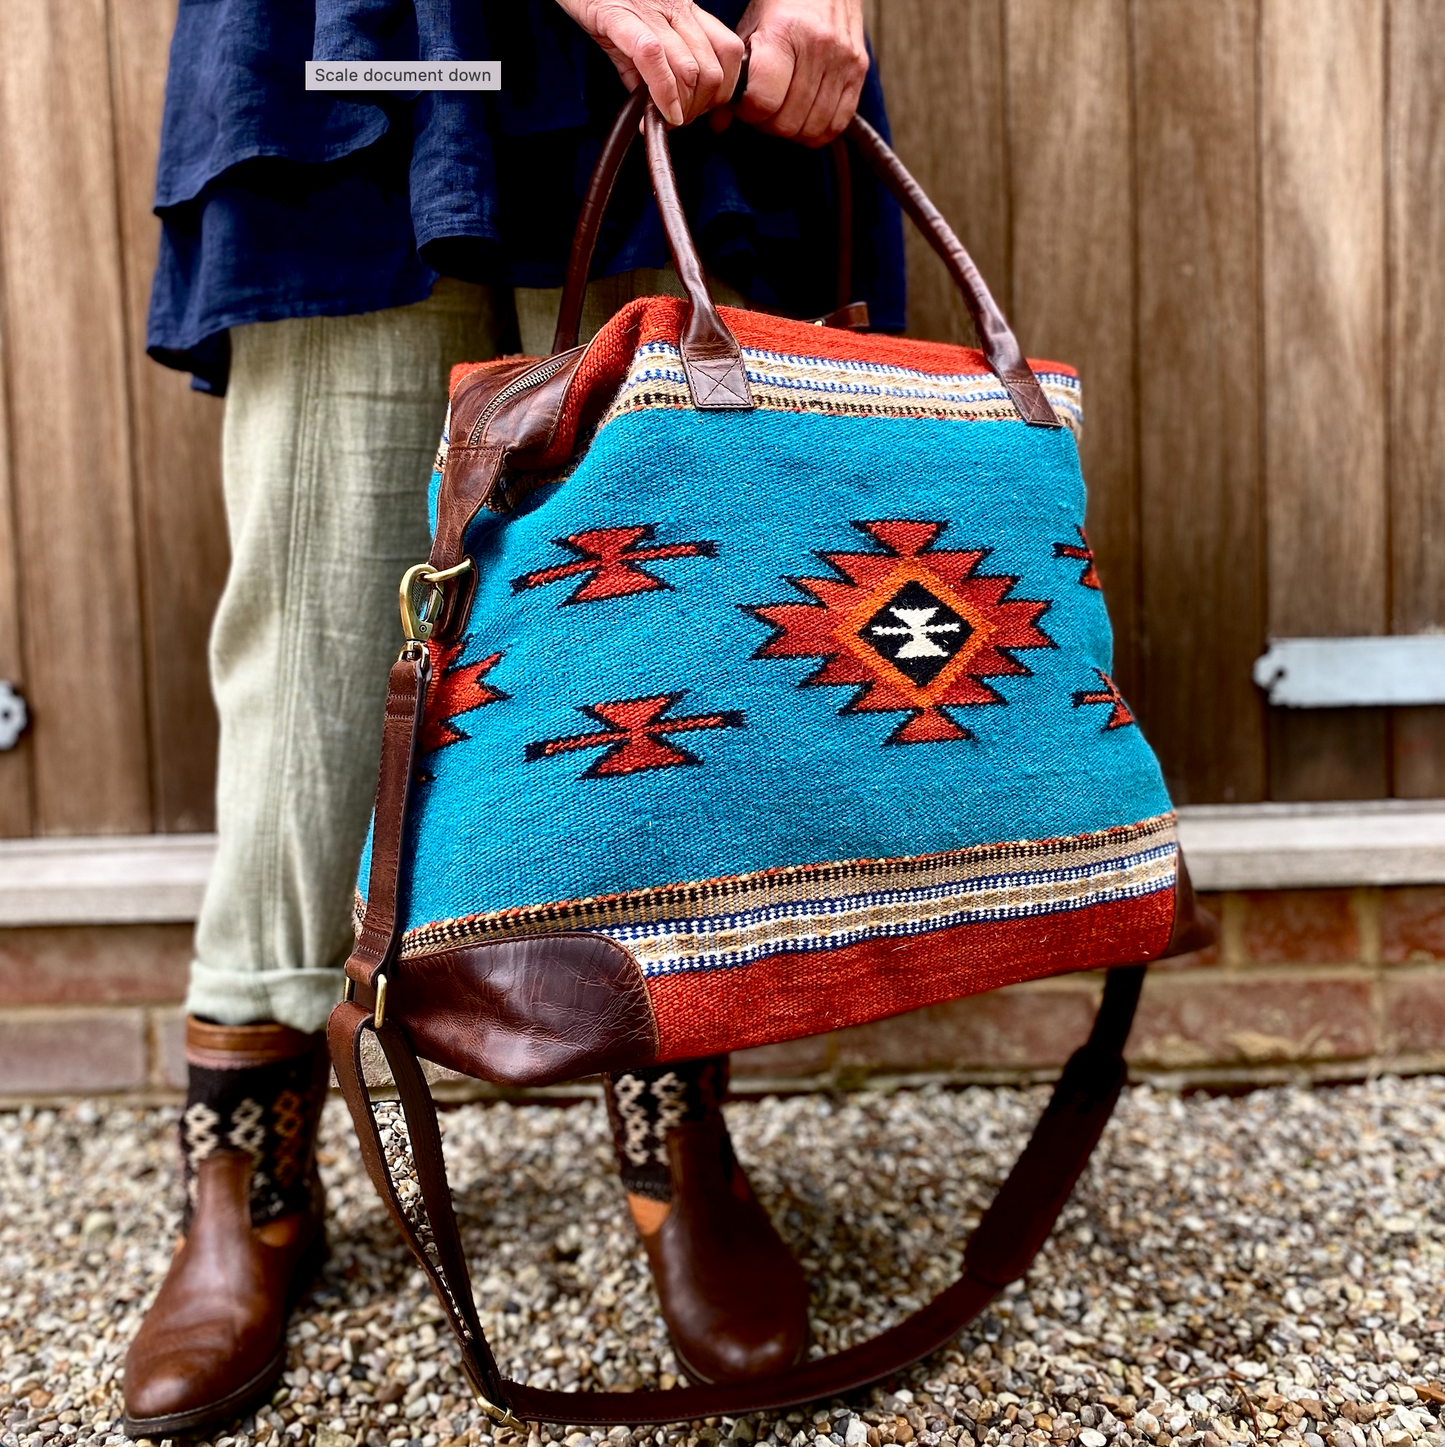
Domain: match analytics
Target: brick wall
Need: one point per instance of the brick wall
(1324, 984)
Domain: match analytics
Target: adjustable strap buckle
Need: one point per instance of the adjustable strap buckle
(378, 1011)
(501, 1415)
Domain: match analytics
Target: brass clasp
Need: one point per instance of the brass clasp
(419, 618)
(501, 1415)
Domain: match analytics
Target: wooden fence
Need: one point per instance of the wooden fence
(1230, 214)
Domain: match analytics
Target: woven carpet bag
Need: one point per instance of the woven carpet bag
(758, 684)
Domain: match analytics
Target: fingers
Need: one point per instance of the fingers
(728, 46)
(809, 62)
(695, 64)
(770, 73)
(686, 58)
(843, 116)
(808, 75)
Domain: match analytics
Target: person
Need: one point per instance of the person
(324, 261)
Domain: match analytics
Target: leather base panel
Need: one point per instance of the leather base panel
(550, 1008)
(525, 1012)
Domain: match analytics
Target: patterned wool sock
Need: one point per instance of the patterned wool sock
(257, 1089)
(644, 1105)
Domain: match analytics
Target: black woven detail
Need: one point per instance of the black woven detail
(268, 1112)
(644, 1105)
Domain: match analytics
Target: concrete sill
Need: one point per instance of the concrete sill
(152, 878)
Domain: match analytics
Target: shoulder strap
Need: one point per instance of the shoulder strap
(400, 733)
(410, 1176)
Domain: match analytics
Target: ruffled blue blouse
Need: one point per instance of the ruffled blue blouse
(279, 202)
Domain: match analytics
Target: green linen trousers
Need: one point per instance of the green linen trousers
(330, 431)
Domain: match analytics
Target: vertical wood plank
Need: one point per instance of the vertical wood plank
(177, 451)
(1322, 172)
(15, 812)
(1072, 243)
(1201, 533)
(69, 424)
(943, 75)
(1415, 128)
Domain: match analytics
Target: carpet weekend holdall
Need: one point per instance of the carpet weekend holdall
(757, 685)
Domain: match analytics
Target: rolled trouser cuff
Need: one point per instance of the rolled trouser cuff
(301, 999)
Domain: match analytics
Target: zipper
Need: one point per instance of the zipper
(533, 378)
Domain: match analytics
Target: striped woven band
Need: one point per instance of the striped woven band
(736, 921)
(782, 382)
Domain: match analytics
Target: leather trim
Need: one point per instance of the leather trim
(850, 318)
(476, 390)
(519, 432)
(526, 1012)
(615, 150)
(445, 1265)
(589, 218)
(240, 1047)
(1194, 927)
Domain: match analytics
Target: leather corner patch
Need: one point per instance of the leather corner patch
(527, 1011)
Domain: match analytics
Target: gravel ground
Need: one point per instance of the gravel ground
(1266, 1266)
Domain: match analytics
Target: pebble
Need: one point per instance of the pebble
(1263, 1268)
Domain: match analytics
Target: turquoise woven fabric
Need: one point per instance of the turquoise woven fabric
(779, 773)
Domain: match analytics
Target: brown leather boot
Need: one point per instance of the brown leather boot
(214, 1338)
(735, 1301)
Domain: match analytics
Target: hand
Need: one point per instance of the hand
(688, 59)
(806, 70)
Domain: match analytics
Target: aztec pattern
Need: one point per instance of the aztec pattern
(916, 627)
(636, 736)
(1119, 715)
(608, 563)
(267, 1112)
(809, 708)
(1081, 550)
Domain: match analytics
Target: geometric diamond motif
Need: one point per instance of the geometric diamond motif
(913, 628)
(916, 632)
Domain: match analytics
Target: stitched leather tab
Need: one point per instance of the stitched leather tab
(852, 317)
(719, 384)
(1028, 396)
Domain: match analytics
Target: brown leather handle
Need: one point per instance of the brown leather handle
(1000, 346)
(589, 219)
(711, 357)
(615, 150)
(1012, 1229)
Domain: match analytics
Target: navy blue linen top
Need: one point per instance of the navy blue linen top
(279, 202)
